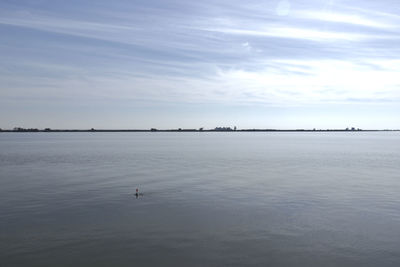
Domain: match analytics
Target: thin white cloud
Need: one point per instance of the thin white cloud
(69, 26)
(343, 18)
(295, 33)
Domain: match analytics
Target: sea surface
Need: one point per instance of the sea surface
(208, 199)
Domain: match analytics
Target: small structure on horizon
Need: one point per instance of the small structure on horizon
(223, 129)
(352, 129)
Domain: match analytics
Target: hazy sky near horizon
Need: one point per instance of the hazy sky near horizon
(191, 64)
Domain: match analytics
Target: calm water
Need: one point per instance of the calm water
(210, 199)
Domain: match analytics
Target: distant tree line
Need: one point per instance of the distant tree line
(216, 129)
(19, 129)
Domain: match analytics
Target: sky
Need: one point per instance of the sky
(137, 64)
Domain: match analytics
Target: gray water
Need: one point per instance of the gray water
(209, 199)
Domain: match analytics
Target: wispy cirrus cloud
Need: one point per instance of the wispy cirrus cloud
(343, 18)
(295, 33)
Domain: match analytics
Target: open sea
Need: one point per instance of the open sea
(208, 199)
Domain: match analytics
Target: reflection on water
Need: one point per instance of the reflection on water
(205, 199)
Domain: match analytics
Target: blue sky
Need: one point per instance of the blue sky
(191, 64)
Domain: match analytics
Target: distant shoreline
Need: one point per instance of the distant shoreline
(184, 130)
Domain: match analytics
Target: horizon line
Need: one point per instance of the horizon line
(216, 129)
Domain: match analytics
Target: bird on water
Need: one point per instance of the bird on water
(137, 194)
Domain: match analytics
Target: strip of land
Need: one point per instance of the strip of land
(218, 129)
